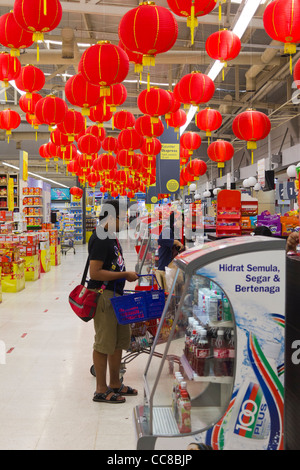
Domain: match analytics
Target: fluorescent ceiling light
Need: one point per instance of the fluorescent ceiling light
(239, 28)
(34, 174)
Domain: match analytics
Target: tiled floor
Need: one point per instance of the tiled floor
(46, 387)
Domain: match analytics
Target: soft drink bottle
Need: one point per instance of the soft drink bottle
(220, 355)
(191, 346)
(202, 355)
(231, 355)
(184, 413)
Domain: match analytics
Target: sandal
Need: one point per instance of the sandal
(102, 397)
(129, 391)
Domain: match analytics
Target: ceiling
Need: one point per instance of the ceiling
(259, 77)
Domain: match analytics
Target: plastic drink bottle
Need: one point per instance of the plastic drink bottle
(184, 413)
(231, 355)
(202, 355)
(226, 310)
(220, 354)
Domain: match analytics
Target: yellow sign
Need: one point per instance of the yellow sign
(10, 194)
(154, 199)
(172, 186)
(170, 152)
(25, 166)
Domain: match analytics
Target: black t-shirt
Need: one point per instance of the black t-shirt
(110, 252)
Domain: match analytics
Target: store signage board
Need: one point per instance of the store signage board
(168, 162)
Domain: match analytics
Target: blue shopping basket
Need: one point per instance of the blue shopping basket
(138, 306)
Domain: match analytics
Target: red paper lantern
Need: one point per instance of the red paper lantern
(197, 168)
(53, 150)
(154, 102)
(10, 68)
(251, 126)
(12, 35)
(76, 192)
(100, 113)
(145, 127)
(129, 139)
(149, 30)
(32, 120)
(97, 132)
(104, 64)
(51, 110)
(194, 88)
(191, 9)
(220, 152)
(123, 120)
(67, 153)
(135, 57)
(9, 120)
(223, 45)
(136, 162)
(281, 20)
(175, 104)
(110, 144)
(89, 144)
(59, 139)
(187, 176)
(151, 147)
(114, 194)
(72, 124)
(28, 104)
(190, 141)
(31, 79)
(117, 96)
(177, 119)
(73, 167)
(208, 120)
(81, 93)
(37, 16)
(93, 179)
(44, 153)
(107, 162)
(184, 156)
(124, 158)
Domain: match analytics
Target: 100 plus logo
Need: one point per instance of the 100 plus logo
(2, 352)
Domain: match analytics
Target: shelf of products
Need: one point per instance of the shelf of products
(228, 220)
(76, 210)
(33, 206)
(4, 181)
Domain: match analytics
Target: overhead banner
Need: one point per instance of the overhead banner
(168, 162)
(23, 159)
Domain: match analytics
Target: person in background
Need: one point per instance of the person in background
(262, 230)
(168, 248)
(108, 275)
(292, 242)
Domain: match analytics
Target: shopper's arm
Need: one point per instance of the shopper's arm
(99, 274)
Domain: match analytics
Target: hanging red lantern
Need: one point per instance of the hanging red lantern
(114, 194)
(194, 88)
(12, 35)
(59, 139)
(136, 162)
(123, 120)
(146, 128)
(108, 162)
(76, 192)
(10, 68)
(89, 144)
(73, 167)
(191, 9)
(98, 132)
(72, 124)
(151, 147)
(44, 154)
(93, 179)
(190, 141)
(154, 102)
(117, 96)
(81, 93)
(51, 110)
(197, 168)
(32, 120)
(184, 156)
(223, 45)
(187, 176)
(134, 57)
(67, 153)
(175, 104)
(124, 158)
(177, 119)
(31, 80)
(220, 152)
(53, 150)
(9, 120)
(281, 20)
(129, 139)
(104, 64)
(148, 29)
(208, 120)
(37, 16)
(110, 144)
(100, 113)
(28, 104)
(251, 126)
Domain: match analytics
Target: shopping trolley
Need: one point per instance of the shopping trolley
(67, 238)
(142, 309)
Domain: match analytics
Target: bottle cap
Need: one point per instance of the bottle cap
(183, 385)
(220, 332)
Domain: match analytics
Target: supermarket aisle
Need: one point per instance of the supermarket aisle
(46, 387)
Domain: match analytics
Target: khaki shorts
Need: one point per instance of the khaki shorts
(109, 334)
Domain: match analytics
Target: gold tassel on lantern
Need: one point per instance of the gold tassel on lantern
(192, 22)
(251, 146)
(290, 49)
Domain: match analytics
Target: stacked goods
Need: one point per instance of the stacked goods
(55, 253)
(33, 206)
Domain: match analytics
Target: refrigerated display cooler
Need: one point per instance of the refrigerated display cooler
(214, 377)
